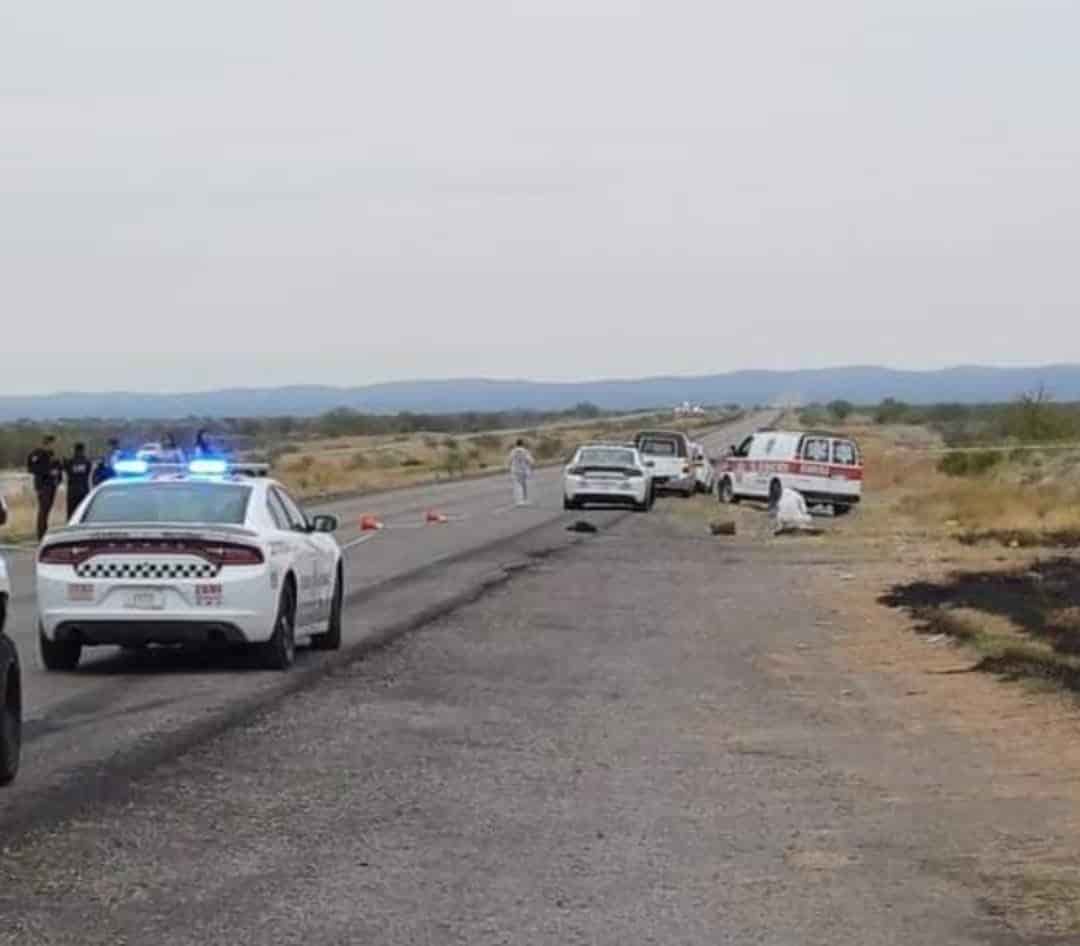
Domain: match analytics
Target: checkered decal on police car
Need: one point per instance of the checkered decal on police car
(157, 570)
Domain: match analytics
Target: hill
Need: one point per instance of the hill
(860, 384)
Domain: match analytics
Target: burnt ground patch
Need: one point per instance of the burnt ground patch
(1041, 602)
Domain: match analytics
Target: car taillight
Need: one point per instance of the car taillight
(64, 554)
(232, 554)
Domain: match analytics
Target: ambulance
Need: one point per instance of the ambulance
(825, 467)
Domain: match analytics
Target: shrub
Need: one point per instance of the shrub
(548, 448)
(411, 461)
(359, 461)
(965, 463)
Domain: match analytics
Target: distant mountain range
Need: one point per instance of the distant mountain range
(861, 385)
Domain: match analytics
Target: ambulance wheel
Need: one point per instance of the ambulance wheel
(776, 490)
(725, 492)
(58, 655)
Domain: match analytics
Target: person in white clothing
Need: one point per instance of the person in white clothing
(521, 467)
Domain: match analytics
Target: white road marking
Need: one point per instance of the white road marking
(360, 541)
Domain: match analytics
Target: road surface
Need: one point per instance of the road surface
(638, 740)
(119, 713)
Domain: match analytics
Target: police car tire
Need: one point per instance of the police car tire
(58, 655)
(10, 732)
(331, 640)
(278, 652)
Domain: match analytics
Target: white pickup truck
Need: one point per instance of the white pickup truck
(667, 455)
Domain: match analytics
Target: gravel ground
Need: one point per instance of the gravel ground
(633, 742)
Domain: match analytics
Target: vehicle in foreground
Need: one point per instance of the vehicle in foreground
(200, 555)
(10, 690)
(825, 468)
(667, 456)
(607, 474)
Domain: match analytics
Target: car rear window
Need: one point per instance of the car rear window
(218, 503)
(606, 456)
(844, 453)
(660, 448)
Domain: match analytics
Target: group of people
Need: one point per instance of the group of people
(80, 473)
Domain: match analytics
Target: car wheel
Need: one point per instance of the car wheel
(278, 652)
(725, 492)
(58, 655)
(839, 509)
(331, 640)
(10, 728)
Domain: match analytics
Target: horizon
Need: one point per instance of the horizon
(584, 381)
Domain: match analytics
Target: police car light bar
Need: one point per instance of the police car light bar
(131, 467)
(208, 467)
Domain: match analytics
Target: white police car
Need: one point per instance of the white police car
(200, 554)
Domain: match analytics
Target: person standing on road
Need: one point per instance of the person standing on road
(77, 470)
(47, 471)
(104, 470)
(521, 468)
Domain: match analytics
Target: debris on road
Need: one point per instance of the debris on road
(581, 526)
(722, 527)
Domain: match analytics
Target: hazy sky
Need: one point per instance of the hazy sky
(349, 192)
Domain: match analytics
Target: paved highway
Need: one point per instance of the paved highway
(123, 707)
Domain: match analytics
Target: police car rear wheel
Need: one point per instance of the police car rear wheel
(58, 655)
(331, 640)
(278, 652)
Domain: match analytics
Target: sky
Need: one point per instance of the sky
(264, 192)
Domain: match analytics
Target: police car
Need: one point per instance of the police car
(208, 553)
(608, 474)
(10, 684)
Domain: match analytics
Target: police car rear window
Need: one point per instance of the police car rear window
(218, 503)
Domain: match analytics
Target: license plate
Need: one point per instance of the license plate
(80, 592)
(145, 600)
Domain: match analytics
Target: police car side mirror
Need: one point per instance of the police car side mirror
(324, 523)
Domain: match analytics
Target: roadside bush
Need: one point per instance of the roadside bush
(302, 463)
(359, 461)
(454, 461)
(411, 461)
(973, 463)
(488, 442)
(548, 448)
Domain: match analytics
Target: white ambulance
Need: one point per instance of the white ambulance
(826, 468)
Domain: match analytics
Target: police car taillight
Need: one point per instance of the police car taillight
(64, 554)
(232, 554)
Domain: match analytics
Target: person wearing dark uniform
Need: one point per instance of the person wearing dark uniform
(77, 470)
(104, 469)
(47, 471)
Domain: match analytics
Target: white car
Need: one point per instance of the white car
(607, 474)
(204, 555)
(667, 455)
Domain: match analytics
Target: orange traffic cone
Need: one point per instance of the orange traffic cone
(369, 524)
(435, 518)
